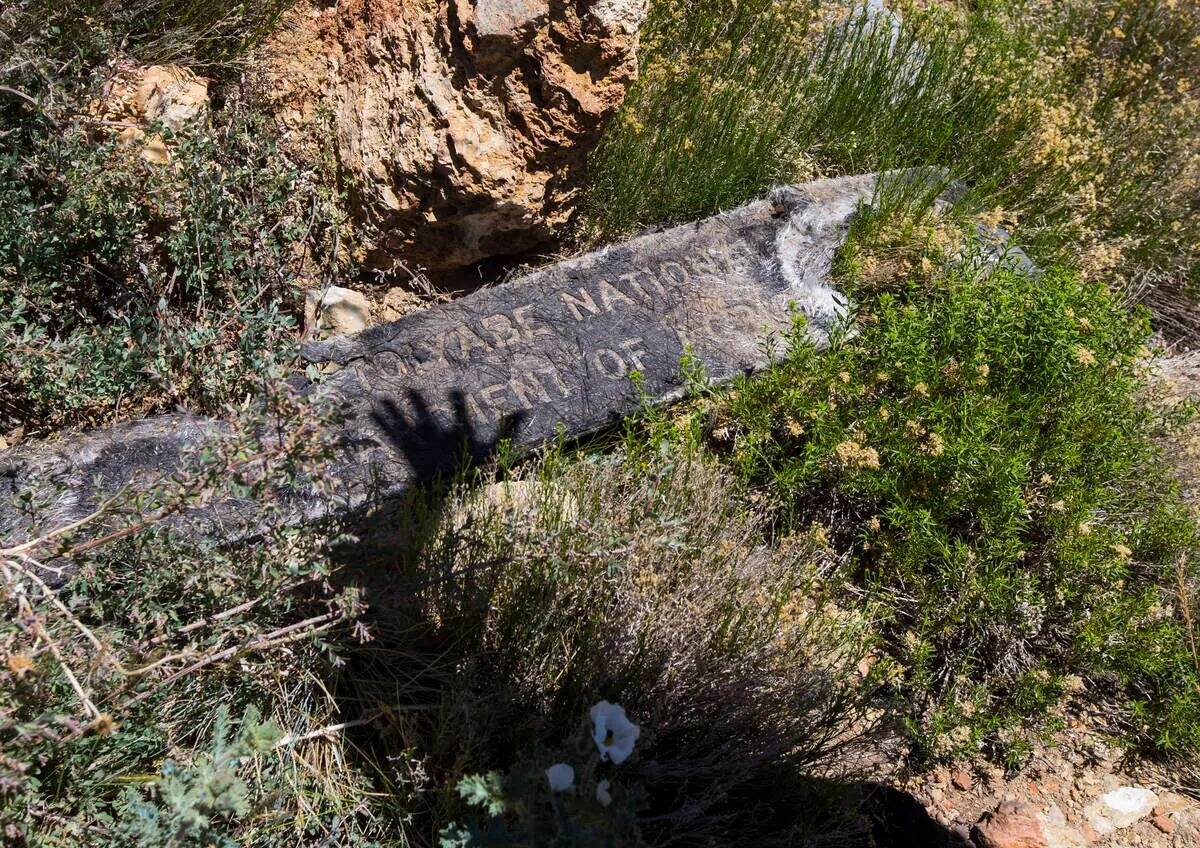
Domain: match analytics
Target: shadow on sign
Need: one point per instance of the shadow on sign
(433, 449)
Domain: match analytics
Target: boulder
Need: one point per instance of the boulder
(460, 126)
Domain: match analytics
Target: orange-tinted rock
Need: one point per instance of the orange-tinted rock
(137, 97)
(1013, 824)
(461, 127)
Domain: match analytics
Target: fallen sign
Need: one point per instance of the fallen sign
(552, 354)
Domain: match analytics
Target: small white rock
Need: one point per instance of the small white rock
(1120, 808)
(335, 311)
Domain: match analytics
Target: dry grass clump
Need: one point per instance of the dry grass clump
(654, 590)
(1112, 86)
(174, 692)
(1076, 122)
(178, 694)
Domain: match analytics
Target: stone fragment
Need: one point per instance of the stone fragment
(1013, 824)
(501, 29)
(1019, 824)
(1163, 823)
(1059, 834)
(137, 97)
(523, 496)
(962, 780)
(1120, 808)
(334, 311)
(170, 95)
(560, 353)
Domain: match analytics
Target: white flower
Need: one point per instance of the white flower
(561, 777)
(602, 793)
(615, 735)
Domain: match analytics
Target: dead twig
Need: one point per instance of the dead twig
(281, 636)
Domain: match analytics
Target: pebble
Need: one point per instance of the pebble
(1164, 823)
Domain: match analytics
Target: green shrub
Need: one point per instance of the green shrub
(192, 802)
(132, 287)
(1076, 121)
(981, 446)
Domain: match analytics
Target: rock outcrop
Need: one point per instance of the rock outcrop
(459, 126)
(334, 311)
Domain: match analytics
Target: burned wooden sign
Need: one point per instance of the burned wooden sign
(564, 350)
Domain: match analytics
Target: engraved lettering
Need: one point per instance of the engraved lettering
(610, 295)
(469, 340)
(634, 351)
(529, 383)
(475, 411)
(584, 300)
(705, 265)
(526, 322)
(502, 329)
(609, 363)
(427, 350)
(487, 392)
(559, 383)
(389, 363)
(631, 281)
(729, 261)
(675, 272)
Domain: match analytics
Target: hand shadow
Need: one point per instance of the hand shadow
(435, 451)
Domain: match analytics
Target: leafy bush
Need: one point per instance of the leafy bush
(132, 287)
(194, 801)
(981, 446)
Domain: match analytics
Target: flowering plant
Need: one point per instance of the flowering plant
(580, 798)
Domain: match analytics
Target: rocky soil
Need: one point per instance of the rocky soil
(1079, 790)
